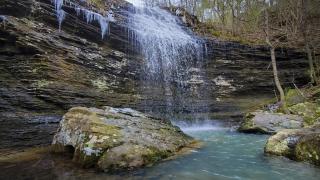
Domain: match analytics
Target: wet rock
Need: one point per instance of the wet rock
(114, 139)
(297, 144)
(269, 123)
(44, 119)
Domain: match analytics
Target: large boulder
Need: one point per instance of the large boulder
(297, 144)
(269, 123)
(113, 139)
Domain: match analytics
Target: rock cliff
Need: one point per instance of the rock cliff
(44, 71)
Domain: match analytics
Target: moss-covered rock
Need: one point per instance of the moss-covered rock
(113, 139)
(297, 144)
(294, 96)
(282, 144)
(308, 110)
(308, 148)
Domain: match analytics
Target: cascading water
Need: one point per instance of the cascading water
(173, 59)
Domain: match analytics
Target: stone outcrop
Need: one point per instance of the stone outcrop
(269, 123)
(297, 144)
(114, 139)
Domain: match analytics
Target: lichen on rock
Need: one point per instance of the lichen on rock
(297, 144)
(308, 110)
(115, 139)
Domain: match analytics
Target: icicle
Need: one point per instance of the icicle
(103, 26)
(78, 10)
(59, 12)
(3, 18)
(89, 16)
(60, 15)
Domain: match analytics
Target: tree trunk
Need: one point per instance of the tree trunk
(311, 64)
(276, 78)
(274, 63)
(233, 17)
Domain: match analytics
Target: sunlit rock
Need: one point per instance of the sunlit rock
(113, 139)
(269, 123)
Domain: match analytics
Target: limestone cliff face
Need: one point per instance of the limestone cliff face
(44, 72)
(239, 76)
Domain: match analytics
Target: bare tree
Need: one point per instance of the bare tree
(273, 45)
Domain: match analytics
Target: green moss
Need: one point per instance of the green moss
(293, 96)
(279, 148)
(105, 129)
(247, 123)
(308, 149)
(153, 155)
(309, 111)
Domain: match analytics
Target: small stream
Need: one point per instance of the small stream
(225, 155)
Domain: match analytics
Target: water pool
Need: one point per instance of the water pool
(225, 155)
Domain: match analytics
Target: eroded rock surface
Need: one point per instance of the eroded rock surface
(269, 123)
(113, 139)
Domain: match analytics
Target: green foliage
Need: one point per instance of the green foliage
(293, 96)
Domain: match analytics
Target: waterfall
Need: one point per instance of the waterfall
(173, 58)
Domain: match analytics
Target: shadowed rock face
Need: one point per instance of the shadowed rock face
(44, 72)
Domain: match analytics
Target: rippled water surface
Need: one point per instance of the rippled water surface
(231, 155)
(225, 155)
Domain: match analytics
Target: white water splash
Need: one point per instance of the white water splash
(137, 3)
(206, 125)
